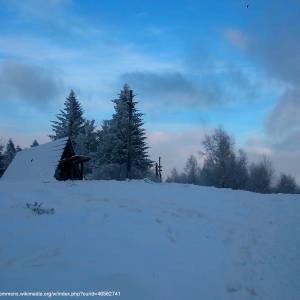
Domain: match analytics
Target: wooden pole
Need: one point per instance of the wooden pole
(72, 171)
(159, 168)
(81, 170)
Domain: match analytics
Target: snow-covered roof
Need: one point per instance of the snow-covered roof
(37, 163)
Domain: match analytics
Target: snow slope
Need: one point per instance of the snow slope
(150, 241)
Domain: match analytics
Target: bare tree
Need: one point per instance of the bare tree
(219, 160)
(192, 170)
(260, 176)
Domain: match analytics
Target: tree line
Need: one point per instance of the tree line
(224, 167)
(119, 150)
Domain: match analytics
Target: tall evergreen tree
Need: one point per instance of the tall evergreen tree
(122, 140)
(70, 120)
(10, 153)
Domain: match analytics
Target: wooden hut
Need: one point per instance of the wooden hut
(53, 160)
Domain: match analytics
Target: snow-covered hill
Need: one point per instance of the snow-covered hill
(150, 241)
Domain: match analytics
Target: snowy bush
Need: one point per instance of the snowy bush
(37, 209)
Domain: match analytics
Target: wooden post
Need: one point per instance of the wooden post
(81, 170)
(72, 171)
(159, 168)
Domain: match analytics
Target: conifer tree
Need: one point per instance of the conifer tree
(34, 144)
(122, 140)
(70, 120)
(10, 153)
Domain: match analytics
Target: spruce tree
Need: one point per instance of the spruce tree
(122, 140)
(34, 144)
(10, 153)
(70, 120)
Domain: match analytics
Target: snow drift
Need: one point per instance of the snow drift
(150, 241)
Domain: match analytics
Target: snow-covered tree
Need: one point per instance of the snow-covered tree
(192, 170)
(18, 148)
(86, 141)
(86, 144)
(240, 171)
(69, 121)
(122, 140)
(174, 176)
(177, 177)
(219, 160)
(34, 144)
(286, 184)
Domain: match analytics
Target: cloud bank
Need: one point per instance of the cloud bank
(29, 83)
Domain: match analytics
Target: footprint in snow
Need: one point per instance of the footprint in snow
(251, 291)
(158, 220)
(234, 288)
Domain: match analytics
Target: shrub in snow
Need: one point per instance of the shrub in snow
(37, 209)
(286, 184)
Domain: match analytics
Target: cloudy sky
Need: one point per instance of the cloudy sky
(194, 65)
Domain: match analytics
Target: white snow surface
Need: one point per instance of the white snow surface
(36, 163)
(150, 240)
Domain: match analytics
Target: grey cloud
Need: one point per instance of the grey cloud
(285, 115)
(275, 41)
(274, 45)
(193, 90)
(173, 88)
(29, 83)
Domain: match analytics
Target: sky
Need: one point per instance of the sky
(193, 65)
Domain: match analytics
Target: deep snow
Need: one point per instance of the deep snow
(150, 240)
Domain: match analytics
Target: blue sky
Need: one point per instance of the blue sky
(194, 65)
